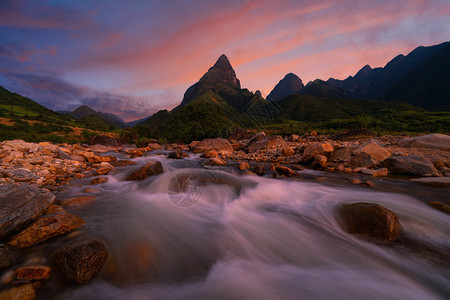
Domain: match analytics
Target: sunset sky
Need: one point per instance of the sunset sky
(133, 57)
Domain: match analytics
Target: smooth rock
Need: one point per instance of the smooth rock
(104, 168)
(243, 166)
(440, 206)
(81, 260)
(370, 220)
(319, 148)
(210, 154)
(20, 205)
(431, 141)
(154, 146)
(149, 169)
(220, 145)
(287, 151)
(267, 143)
(410, 165)
(368, 155)
(177, 155)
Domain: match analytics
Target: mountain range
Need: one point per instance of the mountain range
(421, 78)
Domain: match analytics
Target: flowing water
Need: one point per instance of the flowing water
(194, 233)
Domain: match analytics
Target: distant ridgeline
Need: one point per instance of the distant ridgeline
(413, 84)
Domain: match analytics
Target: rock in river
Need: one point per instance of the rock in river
(149, 169)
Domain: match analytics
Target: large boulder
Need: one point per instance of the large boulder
(410, 165)
(259, 136)
(368, 155)
(20, 174)
(104, 140)
(20, 205)
(432, 141)
(19, 145)
(319, 148)
(266, 143)
(46, 227)
(149, 169)
(81, 260)
(370, 220)
(220, 145)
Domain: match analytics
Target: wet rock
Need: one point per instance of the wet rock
(319, 162)
(98, 180)
(285, 171)
(368, 155)
(20, 205)
(319, 148)
(376, 173)
(287, 151)
(177, 155)
(355, 181)
(53, 208)
(46, 227)
(368, 183)
(243, 166)
(106, 158)
(215, 161)
(259, 170)
(149, 169)
(32, 272)
(8, 256)
(440, 206)
(24, 292)
(104, 168)
(220, 145)
(209, 154)
(81, 260)
(19, 175)
(370, 220)
(123, 162)
(104, 140)
(410, 165)
(77, 200)
(431, 141)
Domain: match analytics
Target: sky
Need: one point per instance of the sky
(135, 57)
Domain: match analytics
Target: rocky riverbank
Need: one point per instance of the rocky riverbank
(31, 174)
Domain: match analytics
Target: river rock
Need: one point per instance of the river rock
(210, 154)
(99, 180)
(370, 220)
(287, 151)
(215, 161)
(220, 145)
(257, 137)
(267, 143)
(104, 168)
(62, 155)
(368, 155)
(23, 292)
(243, 166)
(149, 169)
(319, 148)
(282, 170)
(81, 261)
(19, 175)
(123, 162)
(154, 146)
(32, 272)
(432, 141)
(410, 165)
(20, 205)
(177, 155)
(46, 227)
(440, 206)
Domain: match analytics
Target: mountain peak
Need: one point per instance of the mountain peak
(289, 85)
(223, 62)
(221, 73)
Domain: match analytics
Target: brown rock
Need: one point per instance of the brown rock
(257, 137)
(355, 181)
(282, 170)
(370, 220)
(440, 206)
(244, 166)
(210, 154)
(123, 162)
(154, 146)
(319, 162)
(368, 183)
(81, 260)
(19, 205)
(33, 272)
(99, 180)
(267, 143)
(46, 227)
(54, 208)
(107, 158)
(104, 168)
(376, 173)
(431, 141)
(220, 145)
(77, 158)
(259, 170)
(8, 256)
(215, 161)
(104, 140)
(91, 190)
(149, 169)
(293, 138)
(287, 151)
(319, 148)
(368, 155)
(23, 292)
(77, 200)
